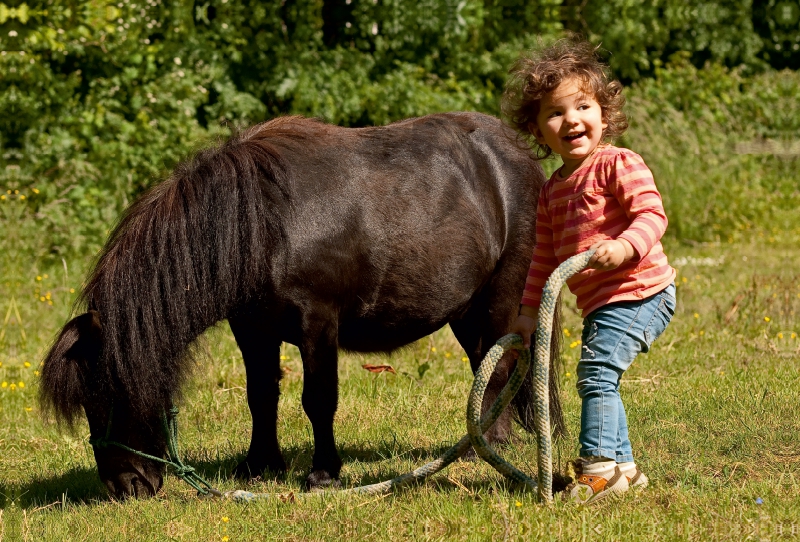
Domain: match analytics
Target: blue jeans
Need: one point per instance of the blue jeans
(612, 337)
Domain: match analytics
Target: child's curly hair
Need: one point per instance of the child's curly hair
(536, 73)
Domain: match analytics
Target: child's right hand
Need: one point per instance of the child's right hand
(524, 326)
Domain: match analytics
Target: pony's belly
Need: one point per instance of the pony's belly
(361, 335)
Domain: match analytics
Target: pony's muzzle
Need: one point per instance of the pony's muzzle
(138, 479)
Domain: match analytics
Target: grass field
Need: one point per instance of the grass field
(713, 410)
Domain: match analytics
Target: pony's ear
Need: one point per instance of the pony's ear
(77, 348)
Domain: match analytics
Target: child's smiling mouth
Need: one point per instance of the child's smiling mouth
(573, 137)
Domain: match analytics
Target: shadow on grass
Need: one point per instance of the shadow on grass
(385, 451)
(76, 486)
(82, 486)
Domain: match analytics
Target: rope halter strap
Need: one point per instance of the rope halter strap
(169, 423)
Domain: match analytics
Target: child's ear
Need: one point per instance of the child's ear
(533, 128)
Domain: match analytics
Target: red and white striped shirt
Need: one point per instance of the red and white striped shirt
(611, 196)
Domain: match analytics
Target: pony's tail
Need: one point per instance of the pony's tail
(524, 401)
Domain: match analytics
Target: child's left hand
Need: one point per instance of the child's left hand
(610, 254)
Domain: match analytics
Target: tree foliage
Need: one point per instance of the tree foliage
(98, 99)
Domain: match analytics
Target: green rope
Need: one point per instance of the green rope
(183, 471)
(476, 425)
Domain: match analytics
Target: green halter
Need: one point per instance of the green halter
(169, 423)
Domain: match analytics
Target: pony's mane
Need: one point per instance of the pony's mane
(183, 256)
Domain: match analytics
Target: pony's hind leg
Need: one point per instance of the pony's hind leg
(261, 354)
(476, 333)
(319, 349)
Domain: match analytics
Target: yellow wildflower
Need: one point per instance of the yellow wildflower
(696, 315)
(225, 519)
(4, 385)
(780, 335)
(21, 384)
(27, 364)
(518, 504)
(35, 190)
(35, 373)
(22, 197)
(12, 387)
(433, 349)
(766, 318)
(464, 358)
(72, 290)
(38, 278)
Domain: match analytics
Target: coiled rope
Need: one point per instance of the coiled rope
(476, 425)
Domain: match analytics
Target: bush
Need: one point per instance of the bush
(99, 100)
(722, 146)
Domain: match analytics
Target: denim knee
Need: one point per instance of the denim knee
(597, 378)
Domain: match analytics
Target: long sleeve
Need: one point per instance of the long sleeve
(544, 260)
(631, 181)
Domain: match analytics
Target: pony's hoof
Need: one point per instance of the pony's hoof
(321, 479)
(469, 455)
(560, 482)
(249, 470)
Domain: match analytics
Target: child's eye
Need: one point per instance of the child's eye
(554, 114)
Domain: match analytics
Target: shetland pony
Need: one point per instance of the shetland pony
(324, 237)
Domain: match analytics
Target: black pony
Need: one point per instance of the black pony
(298, 231)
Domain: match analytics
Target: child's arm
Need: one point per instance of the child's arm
(543, 262)
(634, 187)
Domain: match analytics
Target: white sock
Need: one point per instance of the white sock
(598, 466)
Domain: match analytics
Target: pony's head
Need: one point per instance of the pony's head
(73, 379)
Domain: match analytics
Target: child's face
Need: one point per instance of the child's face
(570, 122)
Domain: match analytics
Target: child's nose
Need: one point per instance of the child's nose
(571, 118)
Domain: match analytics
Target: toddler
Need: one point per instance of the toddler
(603, 197)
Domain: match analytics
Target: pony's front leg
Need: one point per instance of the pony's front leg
(261, 354)
(319, 350)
